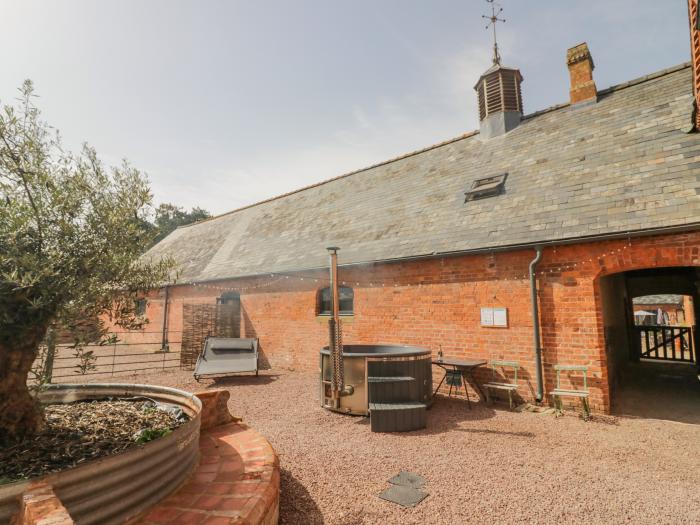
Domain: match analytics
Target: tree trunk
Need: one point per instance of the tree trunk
(20, 413)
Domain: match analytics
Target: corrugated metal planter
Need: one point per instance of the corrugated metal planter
(115, 488)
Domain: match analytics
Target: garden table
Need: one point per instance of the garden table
(463, 368)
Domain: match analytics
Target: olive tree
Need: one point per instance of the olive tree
(71, 235)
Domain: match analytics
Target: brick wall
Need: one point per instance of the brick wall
(695, 54)
(444, 311)
(40, 506)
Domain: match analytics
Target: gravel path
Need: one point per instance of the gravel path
(481, 466)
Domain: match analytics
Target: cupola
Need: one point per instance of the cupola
(500, 100)
(498, 89)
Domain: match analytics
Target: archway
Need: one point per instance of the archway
(649, 316)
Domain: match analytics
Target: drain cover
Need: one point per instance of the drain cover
(407, 479)
(404, 496)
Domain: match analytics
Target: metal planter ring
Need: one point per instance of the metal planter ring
(116, 488)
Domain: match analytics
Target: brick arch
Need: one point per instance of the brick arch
(647, 253)
(624, 268)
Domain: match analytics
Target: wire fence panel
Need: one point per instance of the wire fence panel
(133, 352)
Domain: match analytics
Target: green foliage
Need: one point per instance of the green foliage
(86, 360)
(149, 434)
(168, 217)
(71, 236)
(70, 228)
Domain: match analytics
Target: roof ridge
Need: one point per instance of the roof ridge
(347, 174)
(616, 87)
(608, 90)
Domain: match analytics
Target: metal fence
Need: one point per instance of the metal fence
(132, 352)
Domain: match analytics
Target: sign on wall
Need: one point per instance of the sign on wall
(494, 317)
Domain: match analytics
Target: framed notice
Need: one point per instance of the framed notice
(500, 317)
(494, 317)
(487, 317)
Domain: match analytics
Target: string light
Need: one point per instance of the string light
(277, 278)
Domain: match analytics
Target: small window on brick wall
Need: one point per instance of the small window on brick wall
(346, 299)
(229, 298)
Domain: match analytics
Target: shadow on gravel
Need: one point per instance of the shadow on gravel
(230, 381)
(447, 414)
(296, 504)
(497, 432)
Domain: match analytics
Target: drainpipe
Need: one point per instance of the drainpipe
(165, 347)
(536, 322)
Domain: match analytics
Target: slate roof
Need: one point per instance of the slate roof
(659, 299)
(623, 164)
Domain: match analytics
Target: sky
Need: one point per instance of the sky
(226, 103)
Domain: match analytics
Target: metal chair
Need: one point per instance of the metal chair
(509, 387)
(582, 394)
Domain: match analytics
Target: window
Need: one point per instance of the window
(488, 187)
(140, 307)
(228, 298)
(345, 295)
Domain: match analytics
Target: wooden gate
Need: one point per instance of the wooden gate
(200, 321)
(665, 343)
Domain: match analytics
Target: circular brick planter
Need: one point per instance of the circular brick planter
(237, 483)
(114, 489)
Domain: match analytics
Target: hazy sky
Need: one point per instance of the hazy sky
(224, 103)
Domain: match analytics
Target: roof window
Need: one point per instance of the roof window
(487, 187)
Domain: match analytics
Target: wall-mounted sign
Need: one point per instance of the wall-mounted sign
(494, 317)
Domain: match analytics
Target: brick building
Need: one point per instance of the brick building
(590, 203)
(675, 310)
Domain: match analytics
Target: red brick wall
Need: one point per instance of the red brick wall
(695, 54)
(444, 311)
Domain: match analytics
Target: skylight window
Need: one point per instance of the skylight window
(487, 187)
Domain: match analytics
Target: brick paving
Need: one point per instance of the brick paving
(237, 482)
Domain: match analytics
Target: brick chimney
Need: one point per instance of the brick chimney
(695, 55)
(581, 66)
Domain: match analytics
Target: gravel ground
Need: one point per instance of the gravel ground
(481, 466)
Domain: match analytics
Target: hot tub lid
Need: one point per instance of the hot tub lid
(382, 350)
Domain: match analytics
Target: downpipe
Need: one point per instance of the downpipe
(536, 324)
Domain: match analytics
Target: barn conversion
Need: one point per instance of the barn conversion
(526, 240)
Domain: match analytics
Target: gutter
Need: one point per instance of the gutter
(536, 323)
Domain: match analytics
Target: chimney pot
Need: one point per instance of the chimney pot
(581, 66)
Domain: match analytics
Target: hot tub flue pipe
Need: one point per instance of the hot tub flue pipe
(338, 387)
(536, 323)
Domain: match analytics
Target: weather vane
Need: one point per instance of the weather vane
(493, 20)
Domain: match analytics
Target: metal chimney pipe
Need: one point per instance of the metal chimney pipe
(335, 332)
(335, 307)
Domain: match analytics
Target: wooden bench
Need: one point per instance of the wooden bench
(583, 394)
(498, 385)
